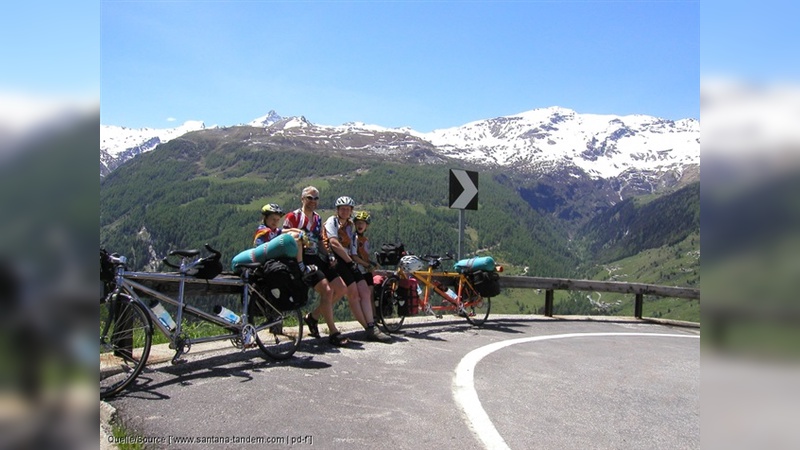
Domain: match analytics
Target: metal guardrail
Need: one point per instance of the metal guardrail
(229, 283)
(638, 289)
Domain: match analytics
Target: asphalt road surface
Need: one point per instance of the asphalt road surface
(520, 382)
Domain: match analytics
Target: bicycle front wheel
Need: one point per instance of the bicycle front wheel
(477, 308)
(281, 340)
(126, 334)
(392, 306)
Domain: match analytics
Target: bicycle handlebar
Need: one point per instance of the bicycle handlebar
(447, 256)
(189, 253)
(215, 253)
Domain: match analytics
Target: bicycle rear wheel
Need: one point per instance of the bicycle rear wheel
(477, 307)
(126, 334)
(392, 307)
(281, 340)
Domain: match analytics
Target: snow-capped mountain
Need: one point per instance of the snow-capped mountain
(265, 121)
(536, 141)
(119, 144)
(603, 146)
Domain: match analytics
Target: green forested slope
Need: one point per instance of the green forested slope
(638, 224)
(202, 188)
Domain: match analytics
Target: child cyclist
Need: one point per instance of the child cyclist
(340, 237)
(361, 256)
(330, 287)
(270, 229)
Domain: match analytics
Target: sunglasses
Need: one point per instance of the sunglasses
(308, 197)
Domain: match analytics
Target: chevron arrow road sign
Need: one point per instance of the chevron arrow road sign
(463, 189)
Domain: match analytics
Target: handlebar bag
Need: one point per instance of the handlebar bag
(208, 267)
(390, 254)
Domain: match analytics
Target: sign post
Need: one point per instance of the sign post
(463, 196)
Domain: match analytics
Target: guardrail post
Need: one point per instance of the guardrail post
(548, 303)
(637, 308)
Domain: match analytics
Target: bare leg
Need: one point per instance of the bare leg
(325, 307)
(338, 290)
(355, 304)
(365, 300)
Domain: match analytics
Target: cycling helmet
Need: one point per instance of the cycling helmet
(411, 263)
(362, 215)
(272, 208)
(345, 201)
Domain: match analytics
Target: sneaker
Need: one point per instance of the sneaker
(375, 334)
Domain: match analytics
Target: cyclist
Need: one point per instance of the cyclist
(269, 229)
(339, 234)
(330, 287)
(362, 220)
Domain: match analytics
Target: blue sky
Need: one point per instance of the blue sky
(426, 65)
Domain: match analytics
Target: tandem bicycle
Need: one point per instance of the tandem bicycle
(416, 287)
(127, 323)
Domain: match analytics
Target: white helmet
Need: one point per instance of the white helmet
(412, 263)
(345, 201)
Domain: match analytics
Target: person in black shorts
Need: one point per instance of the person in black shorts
(329, 285)
(339, 237)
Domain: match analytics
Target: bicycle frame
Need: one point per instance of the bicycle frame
(277, 333)
(468, 302)
(426, 278)
(133, 288)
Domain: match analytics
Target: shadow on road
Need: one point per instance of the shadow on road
(240, 365)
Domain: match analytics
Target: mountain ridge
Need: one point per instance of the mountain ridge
(535, 141)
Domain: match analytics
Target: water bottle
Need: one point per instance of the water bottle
(419, 291)
(163, 315)
(451, 294)
(227, 314)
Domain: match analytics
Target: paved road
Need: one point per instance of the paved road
(520, 382)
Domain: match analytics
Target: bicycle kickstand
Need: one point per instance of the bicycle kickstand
(429, 310)
(181, 349)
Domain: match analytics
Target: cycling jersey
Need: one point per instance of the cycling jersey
(363, 247)
(312, 225)
(265, 234)
(345, 232)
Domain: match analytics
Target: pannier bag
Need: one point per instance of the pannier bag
(378, 290)
(408, 294)
(283, 246)
(281, 282)
(107, 272)
(486, 283)
(390, 254)
(485, 263)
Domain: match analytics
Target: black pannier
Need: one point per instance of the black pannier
(280, 281)
(486, 283)
(390, 254)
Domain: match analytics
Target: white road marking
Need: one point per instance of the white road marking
(467, 398)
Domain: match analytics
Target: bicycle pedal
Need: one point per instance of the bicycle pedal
(439, 316)
(177, 361)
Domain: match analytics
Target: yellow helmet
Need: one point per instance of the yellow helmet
(272, 208)
(362, 215)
